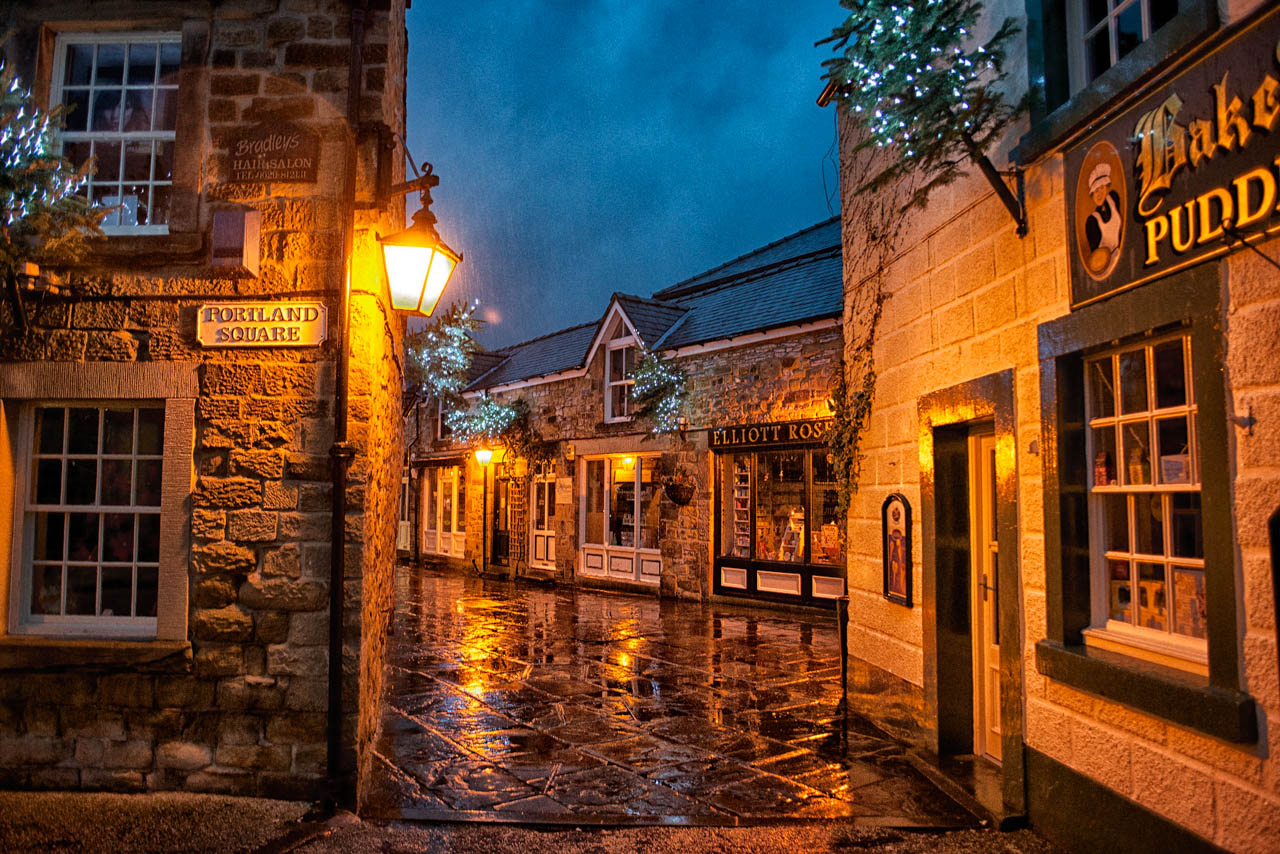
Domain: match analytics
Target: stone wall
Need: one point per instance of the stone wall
(241, 708)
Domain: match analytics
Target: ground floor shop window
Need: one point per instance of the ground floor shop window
(444, 516)
(621, 506)
(777, 509)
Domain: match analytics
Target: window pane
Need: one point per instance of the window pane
(1162, 12)
(650, 505)
(550, 487)
(82, 435)
(1121, 591)
(1098, 53)
(446, 504)
(1104, 456)
(170, 53)
(82, 590)
(1133, 381)
(117, 591)
(82, 481)
(117, 481)
(1102, 389)
(1175, 459)
(149, 481)
(79, 66)
(735, 505)
(622, 502)
(48, 536)
(158, 213)
(142, 64)
(164, 161)
(595, 502)
(110, 64)
(151, 431)
(1171, 379)
(825, 547)
(1188, 602)
(137, 162)
(82, 536)
(429, 512)
(539, 505)
(460, 477)
(1129, 29)
(48, 482)
(1152, 598)
(618, 404)
(49, 430)
(1148, 523)
(117, 432)
(1094, 11)
(1187, 537)
(148, 537)
(46, 589)
(133, 202)
(77, 114)
(106, 111)
(780, 506)
(117, 537)
(617, 365)
(1137, 441)
(1115, 514)
(148, 585)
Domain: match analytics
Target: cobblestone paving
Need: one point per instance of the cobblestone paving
(554, 705)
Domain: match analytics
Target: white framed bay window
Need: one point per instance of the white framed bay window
(1146, 537)
(620, 519)
(620, 359)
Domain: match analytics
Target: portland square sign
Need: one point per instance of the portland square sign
(1188, 174)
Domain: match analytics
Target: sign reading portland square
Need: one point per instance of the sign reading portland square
(1184, 176)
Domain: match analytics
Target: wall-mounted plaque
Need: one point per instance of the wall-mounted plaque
(1187, 174)
(895, 526)
(262, 324)
(279, 152)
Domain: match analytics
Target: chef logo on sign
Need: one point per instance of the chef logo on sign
(1100, 206)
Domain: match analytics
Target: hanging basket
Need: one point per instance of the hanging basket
(680, 493)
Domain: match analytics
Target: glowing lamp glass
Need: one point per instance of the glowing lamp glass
(416, 274)
(484, 456)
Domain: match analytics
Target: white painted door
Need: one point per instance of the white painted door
(984, 597)
(542, 545)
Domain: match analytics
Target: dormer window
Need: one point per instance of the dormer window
(620, 358)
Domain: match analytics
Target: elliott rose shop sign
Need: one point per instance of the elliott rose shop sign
(1183, 176)
(280, 152)
(812, 431)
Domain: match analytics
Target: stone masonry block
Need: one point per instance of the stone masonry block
(223, 624)
(252, 526)
(239, 730)
(127, 754)
(279, 594)
(214, 593)
(224, 84)
(288, 660)
(208, 524)
(92, 723)
(219, 660)
(128, 690)
(184, 692)
(226, 492)
(250, 692)
(297, 728)
(285, 562)
(272, 627)
(279, 496)
(183, 755)
(223, 557)
(261, 464)
(309, 629)
(255, 757)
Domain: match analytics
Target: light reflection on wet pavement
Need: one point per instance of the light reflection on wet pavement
(515, 702)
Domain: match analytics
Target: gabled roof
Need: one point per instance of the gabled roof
(796, 280)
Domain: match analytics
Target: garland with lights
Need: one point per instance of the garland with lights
(510, 425)
(910, 73)
(440, 355)
(44, 216)
(659, 392)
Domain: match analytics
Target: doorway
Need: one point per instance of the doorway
(542, 539)
(984, 598)
(500, 552)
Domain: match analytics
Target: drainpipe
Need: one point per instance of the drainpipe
(341, 453)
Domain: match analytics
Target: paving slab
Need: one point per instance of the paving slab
(509, 701)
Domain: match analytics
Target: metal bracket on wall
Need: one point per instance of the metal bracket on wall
(1016, 204)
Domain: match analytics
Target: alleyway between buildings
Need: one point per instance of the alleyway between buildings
(524, 703)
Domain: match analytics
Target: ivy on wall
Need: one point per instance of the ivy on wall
(914, 76)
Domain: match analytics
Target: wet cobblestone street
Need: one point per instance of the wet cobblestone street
(551, 705)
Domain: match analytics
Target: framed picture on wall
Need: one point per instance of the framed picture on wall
(895, 528)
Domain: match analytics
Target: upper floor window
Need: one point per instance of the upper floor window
(122, 91)
(621, 358)
(90, 543)
(1147, 545)
(1108, 30)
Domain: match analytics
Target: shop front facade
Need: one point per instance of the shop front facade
(167, 414)
(604, 510)
(1075, 422)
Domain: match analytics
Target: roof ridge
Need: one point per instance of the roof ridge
(746, 255)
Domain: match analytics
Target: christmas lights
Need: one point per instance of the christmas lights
(659, 391)
(440, 355)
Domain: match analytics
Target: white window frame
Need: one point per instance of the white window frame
(1078, 37)
(1161, 646)
(56, 97)
(434, 514)
(615, 347)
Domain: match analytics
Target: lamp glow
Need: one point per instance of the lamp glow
(484, 456)
(417, 262)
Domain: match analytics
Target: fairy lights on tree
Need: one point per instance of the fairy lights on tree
(659, 392)
(914, 75)
(439, 356)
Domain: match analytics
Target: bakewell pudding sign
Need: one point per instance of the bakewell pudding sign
(280, 152)
(1188, 174)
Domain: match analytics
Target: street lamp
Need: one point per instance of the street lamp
(417, 262)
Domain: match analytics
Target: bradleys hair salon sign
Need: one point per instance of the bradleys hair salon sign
(809, 432)
(262, 324)
(1183, 176)
(278, 152)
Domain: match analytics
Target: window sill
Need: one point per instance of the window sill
(1116, 82)
(28, 652)
(188, 247)
(1178, 697)
(1174, 651)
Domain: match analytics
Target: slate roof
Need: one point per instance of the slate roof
(794, 280)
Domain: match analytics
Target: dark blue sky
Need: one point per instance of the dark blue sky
(595, 146)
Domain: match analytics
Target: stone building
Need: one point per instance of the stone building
(1085, 429)
(168, 417)
(758, 339)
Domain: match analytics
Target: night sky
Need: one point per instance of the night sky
(596, 146)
